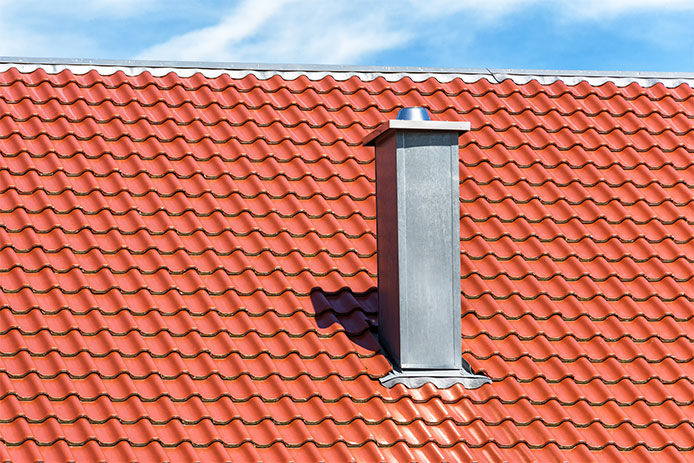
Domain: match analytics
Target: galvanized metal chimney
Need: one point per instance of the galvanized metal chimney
(418, 233)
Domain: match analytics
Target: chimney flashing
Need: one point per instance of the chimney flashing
(442, 379)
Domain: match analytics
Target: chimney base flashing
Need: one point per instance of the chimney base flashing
(442, 379)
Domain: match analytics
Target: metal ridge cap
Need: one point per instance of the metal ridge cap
(587, 73)
(341, 72)
(233, 65)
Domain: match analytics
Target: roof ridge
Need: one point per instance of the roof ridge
(213, 69)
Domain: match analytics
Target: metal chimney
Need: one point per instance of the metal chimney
(418, 233)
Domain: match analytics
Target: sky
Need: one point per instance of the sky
(622, 35)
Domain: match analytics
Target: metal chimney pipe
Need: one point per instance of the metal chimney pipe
(418, 236)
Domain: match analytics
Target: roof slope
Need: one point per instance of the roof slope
(188, 271)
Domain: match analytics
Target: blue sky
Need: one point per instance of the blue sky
(627, 35)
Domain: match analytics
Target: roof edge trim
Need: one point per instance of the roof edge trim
(343, 72)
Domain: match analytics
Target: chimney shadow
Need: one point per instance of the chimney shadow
(356, 313)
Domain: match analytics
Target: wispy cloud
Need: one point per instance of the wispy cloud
(291, 31)
(220, 40)
(318, 31)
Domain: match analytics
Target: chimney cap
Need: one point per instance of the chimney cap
(414, 124)
(413, 113)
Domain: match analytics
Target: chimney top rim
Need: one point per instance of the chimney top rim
(418, 125)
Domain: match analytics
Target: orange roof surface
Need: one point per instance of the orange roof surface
(188, 270)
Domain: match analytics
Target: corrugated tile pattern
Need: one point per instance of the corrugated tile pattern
(188, 272)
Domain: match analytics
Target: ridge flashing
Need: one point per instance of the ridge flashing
(343, 72)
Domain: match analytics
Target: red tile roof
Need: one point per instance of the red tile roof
(188, 270)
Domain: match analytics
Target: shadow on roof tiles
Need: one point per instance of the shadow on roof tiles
(356, 313)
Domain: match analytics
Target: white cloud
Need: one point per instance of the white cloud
(219, 41)
(289, 31)
(319, 31)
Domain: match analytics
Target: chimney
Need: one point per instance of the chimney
(418, 233)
